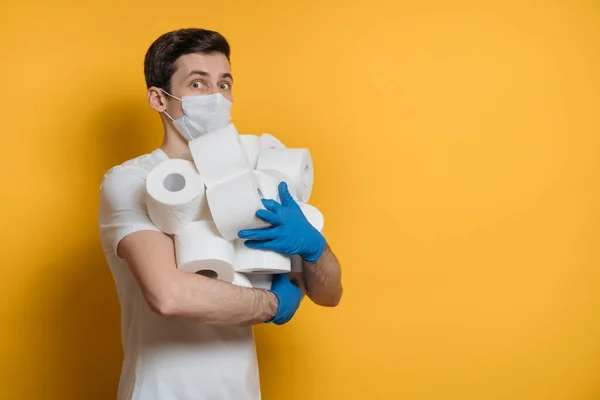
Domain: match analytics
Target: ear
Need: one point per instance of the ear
(157, 99)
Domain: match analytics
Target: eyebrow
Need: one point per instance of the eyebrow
(204, 73)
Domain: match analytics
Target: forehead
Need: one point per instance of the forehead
(215, 64)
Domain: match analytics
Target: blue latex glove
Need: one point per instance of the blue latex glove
(289, 296)
(290, 232)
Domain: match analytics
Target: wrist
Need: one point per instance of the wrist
(272, 306)
(317, 250)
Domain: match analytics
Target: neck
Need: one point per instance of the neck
(174, 145)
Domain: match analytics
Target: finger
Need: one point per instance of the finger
(284, 279)
(271, 205)
(269, 217)
(297, 277)
(259, 244)
(287, 280)
(277, 278)
(284, 195)
(259, 234)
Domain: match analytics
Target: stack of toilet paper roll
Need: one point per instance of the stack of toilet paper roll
(204, 203)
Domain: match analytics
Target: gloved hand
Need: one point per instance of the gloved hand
(289, 296)
(290, 232)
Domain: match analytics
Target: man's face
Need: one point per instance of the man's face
(199, 74)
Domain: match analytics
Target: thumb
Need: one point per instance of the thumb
(285, 196)
(277, 281)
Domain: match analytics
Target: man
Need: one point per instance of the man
(186, 336)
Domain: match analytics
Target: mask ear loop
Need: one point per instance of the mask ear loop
(170, 95)
(167, 114)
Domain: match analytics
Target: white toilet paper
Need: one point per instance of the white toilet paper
(233, 205)
(313, 215)
(200, 249)
(241, 280)
(251, 144)
(206, 214)
(255, 261)
(268, 141)
(316, 219)
(269, 180)
(294, 163)
(174, 195)
(267, 186)
(219, 156)
(260, 281)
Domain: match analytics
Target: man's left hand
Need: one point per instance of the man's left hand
(290, 232)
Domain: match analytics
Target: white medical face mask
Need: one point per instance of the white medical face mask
(202, 114)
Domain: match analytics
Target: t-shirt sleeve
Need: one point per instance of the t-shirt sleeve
(122, 206)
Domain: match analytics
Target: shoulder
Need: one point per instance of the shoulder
(126, 182)
(138, 167)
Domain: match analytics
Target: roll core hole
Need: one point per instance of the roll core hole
(306, 175)
(209, 273)
(174, 182)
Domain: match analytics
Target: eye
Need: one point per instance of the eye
(197, 84)
(225, 86)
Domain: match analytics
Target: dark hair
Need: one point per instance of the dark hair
(159, 63)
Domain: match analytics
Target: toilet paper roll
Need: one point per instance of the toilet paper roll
(174, 195)
(266, 185)
(219, 156)
(269, 180)
(260, 281)
(316, 219)
(206, 214)
(313, 215)
(251, 144)
(233, 205)
(294, 163)
(200, 249)
(256, 261)
(268, 141)
(241, 280)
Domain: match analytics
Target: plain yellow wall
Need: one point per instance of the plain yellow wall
(456, 147)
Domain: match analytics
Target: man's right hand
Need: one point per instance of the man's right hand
(289, 296)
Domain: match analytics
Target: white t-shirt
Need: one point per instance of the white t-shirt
(166, 359)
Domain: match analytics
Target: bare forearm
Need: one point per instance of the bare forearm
(323, 279)
(208, 301)
(175, 294)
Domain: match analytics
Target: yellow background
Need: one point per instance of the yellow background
(456, 147)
